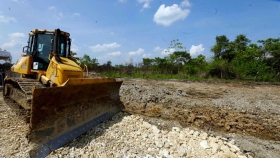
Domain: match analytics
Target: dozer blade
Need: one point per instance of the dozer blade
(60, 114)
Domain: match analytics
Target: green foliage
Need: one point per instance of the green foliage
(176, 46)
(270, 49)
(90, 63)
(222, 47)
(238, 59)
(72, 57)
(196, 65)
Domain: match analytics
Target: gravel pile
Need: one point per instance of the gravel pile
(131, 136)
(12, 133)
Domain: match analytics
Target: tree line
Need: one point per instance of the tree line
(237, 59)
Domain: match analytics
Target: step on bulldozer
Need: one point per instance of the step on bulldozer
(59, 102)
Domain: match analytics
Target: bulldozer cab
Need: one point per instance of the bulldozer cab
(41, 45)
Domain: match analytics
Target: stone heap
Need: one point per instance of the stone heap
(131, 136)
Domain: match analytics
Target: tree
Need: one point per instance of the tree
(160, 64)
(241, 43)
(223, 48)
(196, 65)
(177, 46)
(90, 63)
(248, 63)
(178, 56)
(109, 63)
(181, 57)
(219, 68)
(72, 57)
(147, 62)
(177, 60)
(271, 52)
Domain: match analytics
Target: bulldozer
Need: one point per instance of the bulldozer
(57, 100)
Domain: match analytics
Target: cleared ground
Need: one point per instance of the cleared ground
(246, 115)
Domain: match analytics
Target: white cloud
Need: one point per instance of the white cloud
(76, 14)
(117, 53)
(169, 14)
(74, 48)
(59, 15)
(10, 44)
(111, 56)
(16, 35)
(166, 52)
(138, 52)
(21, 1)
(6, 19)
(14, 43)
(56, 14)
(157, 49)
(146, 3)
(15, 39)
(196, 50)
(104, 47)
(52, 8)
(185, 3)
(122, 1)
(146, 55)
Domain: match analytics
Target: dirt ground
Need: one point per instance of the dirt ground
(249, 114)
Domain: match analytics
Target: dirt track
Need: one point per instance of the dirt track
(249, 114)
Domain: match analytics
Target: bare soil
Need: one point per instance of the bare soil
(246, 112)
(249, 114)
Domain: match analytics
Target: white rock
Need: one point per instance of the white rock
(164, 152)
(150, 149)
(182, 150)
(146, 125)
(212, 139)
(214, 146)
(144, 135)
(233, 148)
(177, 129)
(182, 136)
(196, 133)
(204, 144)
(151, 136)
(232, 141)
(241, 156)
(138, 133)
(225, 148)
(159, 144)
(155, 129)
(191, 132)
(203, 135)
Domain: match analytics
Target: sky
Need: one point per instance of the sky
(123, 31)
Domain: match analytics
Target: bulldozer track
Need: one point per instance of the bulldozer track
(18, 95)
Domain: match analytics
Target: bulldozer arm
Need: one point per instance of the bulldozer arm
(60, 114)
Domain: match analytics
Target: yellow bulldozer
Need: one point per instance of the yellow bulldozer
(59, 103)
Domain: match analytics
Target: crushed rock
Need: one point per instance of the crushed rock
(131, 136)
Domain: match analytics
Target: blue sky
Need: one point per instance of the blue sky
(121, 30)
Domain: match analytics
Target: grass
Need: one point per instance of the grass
(179, 77)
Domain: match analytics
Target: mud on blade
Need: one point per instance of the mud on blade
(60, 114)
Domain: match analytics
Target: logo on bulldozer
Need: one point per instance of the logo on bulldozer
(35, 65)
